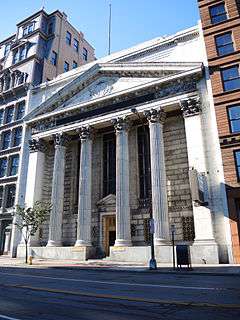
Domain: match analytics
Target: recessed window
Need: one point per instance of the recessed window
(54, 58)
(28, 29)
(237, 162)
(3, 167)
(9, 114)
(68, 38)
(234, 118)
(15, 56)
(109, 164)
(66, 66)
(20, 110)
(7, 49)
(10, 195)
(14, 163)
(218, 13)
(22, 53)
(1, 196)
(6, 140)
(85, 54)
(231, 78)
(75, 65)
(224, 44)
(17, 138)
(76, 45)
(1, 116)
(50, 28)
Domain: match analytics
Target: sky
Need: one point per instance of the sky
(133, 21)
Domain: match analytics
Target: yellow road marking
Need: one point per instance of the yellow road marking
(132, 299)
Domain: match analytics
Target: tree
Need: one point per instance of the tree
(30, 219)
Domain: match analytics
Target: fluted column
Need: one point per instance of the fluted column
(55, 224)
(35, 179)
(123, 227)
(196, 158)
(156, 119)
(85, 188)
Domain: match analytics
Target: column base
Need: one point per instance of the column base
(122, 243)
(82, 243)
(52, 243)
(204, 251)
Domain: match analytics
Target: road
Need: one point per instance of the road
(57, 294)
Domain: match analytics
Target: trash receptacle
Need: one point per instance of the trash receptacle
(183, 256)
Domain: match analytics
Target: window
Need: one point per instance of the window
(10, 198)
(50, 28)
(68, 38)
(22, 53)
(1, 116)
(144, 162)
(76, 45)
(14, 162)
(7, 49)
(6, 140)
(75, 65)
(66, 66)
(9, 114)
(54, 58)
(20, 110)
(224, 44)
(234, 118)
(85, 54)
(1, 196)
(231, 78)
(15, 56)
(28, 29)
(109, 164)
(3, 167)
(17, 137)
(237, 162)
(218, 13)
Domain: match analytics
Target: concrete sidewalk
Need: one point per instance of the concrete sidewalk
(107, 265)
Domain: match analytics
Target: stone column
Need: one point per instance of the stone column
(35, 179)
(55, 224)
(123, 224)
(85, 188)
(196, 158)
(156, 119)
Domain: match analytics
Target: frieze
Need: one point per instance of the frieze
(176, 87)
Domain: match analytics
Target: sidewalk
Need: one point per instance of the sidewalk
(106, 265)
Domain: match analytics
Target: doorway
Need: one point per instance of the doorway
(109, 232)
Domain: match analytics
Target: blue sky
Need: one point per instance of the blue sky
(133, 21)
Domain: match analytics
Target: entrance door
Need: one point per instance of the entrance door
(109, 224)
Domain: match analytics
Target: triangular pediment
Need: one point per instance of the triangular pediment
(108, 201)
(109, 79)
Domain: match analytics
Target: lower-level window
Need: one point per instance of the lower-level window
(109, 164)
(1, 196)
(3, 167)
(14, 162)
(144, 162)
(10, 195)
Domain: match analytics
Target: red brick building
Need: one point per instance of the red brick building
(221, 30)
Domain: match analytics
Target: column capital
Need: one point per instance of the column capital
(155, 115)
(36, 145)
(61, 139)
(85, 133)
(190, 107)
(120, 124)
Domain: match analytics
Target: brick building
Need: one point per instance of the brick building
(221, 30)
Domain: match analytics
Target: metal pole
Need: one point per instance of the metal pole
(152, 262)
(173, 248)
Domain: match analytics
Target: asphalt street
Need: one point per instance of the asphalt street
(57, 294)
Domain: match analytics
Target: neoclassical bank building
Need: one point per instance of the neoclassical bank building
(128, 136)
